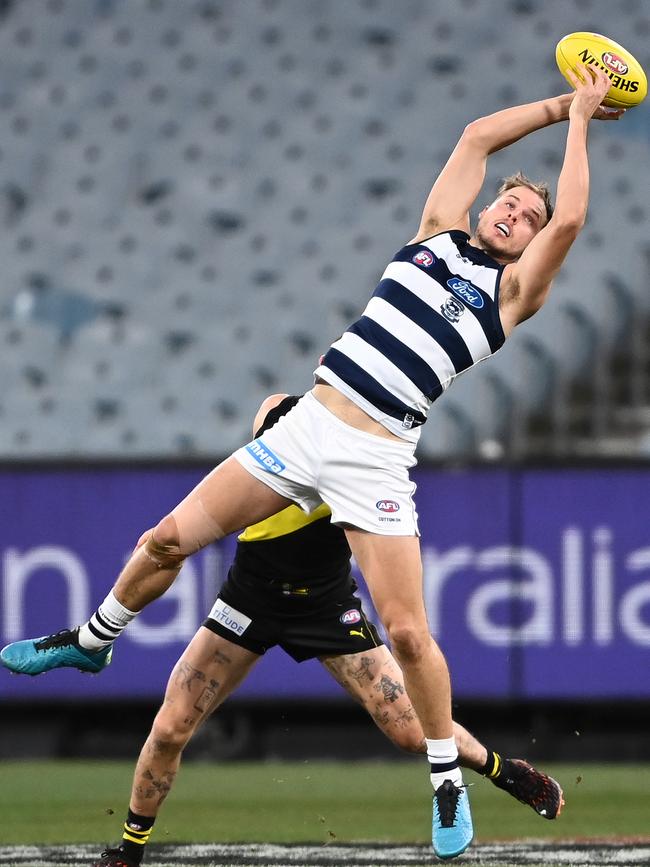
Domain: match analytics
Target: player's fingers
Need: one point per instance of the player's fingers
(583, 76)
(608, 113)
(573, 78)
(601, 80)
(591, 74)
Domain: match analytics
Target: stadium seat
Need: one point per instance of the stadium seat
(217, 188)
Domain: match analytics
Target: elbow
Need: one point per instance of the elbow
(474, 134)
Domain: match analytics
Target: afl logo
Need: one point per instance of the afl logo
(424, 258)
(387, 506)
(350, 616)
(614, 62)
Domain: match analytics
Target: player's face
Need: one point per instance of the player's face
(510, 223)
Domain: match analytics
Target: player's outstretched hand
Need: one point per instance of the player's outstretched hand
(591, 85)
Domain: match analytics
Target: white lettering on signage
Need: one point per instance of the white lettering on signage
(184, 603)
(603, 587)
(587, 576)
(538, 589)
(592, 599)
(19, 570)
(635, 599)
(572, 587)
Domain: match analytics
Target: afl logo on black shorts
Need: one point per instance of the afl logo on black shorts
(350, 616)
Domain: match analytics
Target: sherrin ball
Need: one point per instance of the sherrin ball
(629, 82)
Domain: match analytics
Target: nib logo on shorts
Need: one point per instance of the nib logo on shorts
(265, 457)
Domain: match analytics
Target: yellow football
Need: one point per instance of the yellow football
(629, 82)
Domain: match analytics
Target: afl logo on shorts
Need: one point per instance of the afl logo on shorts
(387, 506)
(424, 258)
(350, 616)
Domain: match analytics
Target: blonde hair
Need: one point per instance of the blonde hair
(520, 180)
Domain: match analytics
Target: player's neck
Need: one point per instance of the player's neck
(487, 248)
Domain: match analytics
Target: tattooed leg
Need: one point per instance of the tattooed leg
(376, 681)
(205, 675)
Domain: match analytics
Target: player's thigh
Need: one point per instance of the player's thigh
(375, 680)
(205, 675)
(392, 569)
(227, 499)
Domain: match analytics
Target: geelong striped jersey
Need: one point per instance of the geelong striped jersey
(434, 314)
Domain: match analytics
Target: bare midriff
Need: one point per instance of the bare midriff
(347, 411)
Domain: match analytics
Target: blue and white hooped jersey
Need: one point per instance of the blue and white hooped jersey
(434, 314)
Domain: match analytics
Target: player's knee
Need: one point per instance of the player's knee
(408, 640)
(171, 731)
(163, 544)
(411, 741)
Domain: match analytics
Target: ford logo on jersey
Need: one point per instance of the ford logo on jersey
(387, 506)
(265, 457)
(466, 291)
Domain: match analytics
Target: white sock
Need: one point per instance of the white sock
(105, 625)
(443, 760)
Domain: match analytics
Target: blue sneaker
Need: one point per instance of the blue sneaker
(61, 650)
(451, 829)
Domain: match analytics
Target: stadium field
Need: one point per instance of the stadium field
(50, 809)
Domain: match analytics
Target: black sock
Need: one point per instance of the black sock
(493, 765)
(137, 830)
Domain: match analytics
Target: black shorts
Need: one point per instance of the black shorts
(335, 629)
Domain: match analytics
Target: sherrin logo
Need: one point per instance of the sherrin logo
(350, 616)
(387, 506)
(614, 62)
(424, 258)
(265, 457)
(466, 291)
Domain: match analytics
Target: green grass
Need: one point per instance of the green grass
(70, 802)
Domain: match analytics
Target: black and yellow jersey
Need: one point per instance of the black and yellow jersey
(293, 554)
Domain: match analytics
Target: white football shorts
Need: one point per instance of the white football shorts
(310, 456)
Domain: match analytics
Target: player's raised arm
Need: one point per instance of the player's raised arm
(460, 181)
(525, 283)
